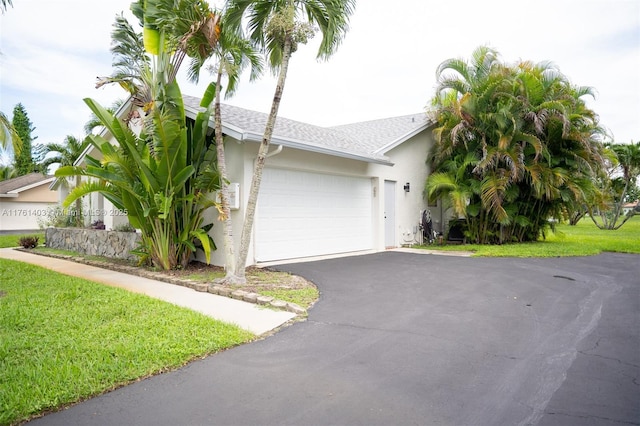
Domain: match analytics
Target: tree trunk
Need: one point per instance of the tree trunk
(78, 218)
(229, 252)
(259, 165)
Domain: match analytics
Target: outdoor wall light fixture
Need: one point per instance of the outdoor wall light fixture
(406, 187)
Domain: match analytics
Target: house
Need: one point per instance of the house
(629, 207)
(325, 190)
(24, 200)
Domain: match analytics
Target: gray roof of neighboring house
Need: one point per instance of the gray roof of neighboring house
(11, 187)
(366, 141)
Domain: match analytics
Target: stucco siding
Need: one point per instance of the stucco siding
(18, 215)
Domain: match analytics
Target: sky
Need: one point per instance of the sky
(52, 52)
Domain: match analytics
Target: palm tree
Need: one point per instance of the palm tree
(7, 172)
(624, 170)
(234, 54)
(528, 145)
(65, 154)
(9, 138)
(278, 26)
(3, 5)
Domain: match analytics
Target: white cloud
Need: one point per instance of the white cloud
(385, 66)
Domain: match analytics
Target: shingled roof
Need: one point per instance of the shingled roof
(367, 141)
(11, 187)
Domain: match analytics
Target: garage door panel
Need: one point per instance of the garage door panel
(308, 214)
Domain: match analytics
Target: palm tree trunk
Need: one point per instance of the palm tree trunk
(229, 252)
(79, 220)
(260, 161)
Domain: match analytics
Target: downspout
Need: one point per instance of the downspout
(275, 152)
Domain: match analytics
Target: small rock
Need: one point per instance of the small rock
(200, 286)
(264, 300)
(279, 304)
(296, 309)
(239, 294)
(216, 289)
(251, 297)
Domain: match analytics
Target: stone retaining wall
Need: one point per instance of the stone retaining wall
(94, 242)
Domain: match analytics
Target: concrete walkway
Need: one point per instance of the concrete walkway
(252, 317)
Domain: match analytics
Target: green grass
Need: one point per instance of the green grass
(64, 339)
(12, 240)
(304, 297)
(583, 239)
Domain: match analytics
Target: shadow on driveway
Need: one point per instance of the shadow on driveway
(401, 338)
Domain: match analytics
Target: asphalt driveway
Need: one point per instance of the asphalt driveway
(399, 339)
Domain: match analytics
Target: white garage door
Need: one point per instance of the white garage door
(302, 214)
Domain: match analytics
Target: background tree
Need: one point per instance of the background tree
(515, 146)
(617, 182)
(278, 27)
(65, 154)
(23, 161)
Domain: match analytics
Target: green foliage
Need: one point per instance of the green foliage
(162, 180)
(515, 146)
(59, 217)
(124, 227)
(582, 239)
(28, 241)
(616, 183)
(7, 172)
(163, 176)
(64, 339)
(9, 139)
(23, 161)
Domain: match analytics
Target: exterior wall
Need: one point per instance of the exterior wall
(21, 216)
(240, 159)
(22, 212)
(410, 167)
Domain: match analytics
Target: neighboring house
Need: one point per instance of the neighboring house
(631, 206)
(24, 200)
(325, 190)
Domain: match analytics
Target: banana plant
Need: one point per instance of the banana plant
(165, 186)
(162, 177)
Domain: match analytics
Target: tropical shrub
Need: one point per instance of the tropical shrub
(28, 241)
(163, 176)
(515, 146)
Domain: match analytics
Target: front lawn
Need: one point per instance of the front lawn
(11, 240)
(583, 239)
(64, 339)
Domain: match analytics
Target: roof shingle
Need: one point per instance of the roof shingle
(9, 185)
(366, 140)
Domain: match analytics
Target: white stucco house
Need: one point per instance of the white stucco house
(325, 190)
(24, 200)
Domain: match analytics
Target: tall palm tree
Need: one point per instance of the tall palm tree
(278, 26)
(234, 53)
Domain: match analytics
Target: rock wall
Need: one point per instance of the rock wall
(94, 242)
